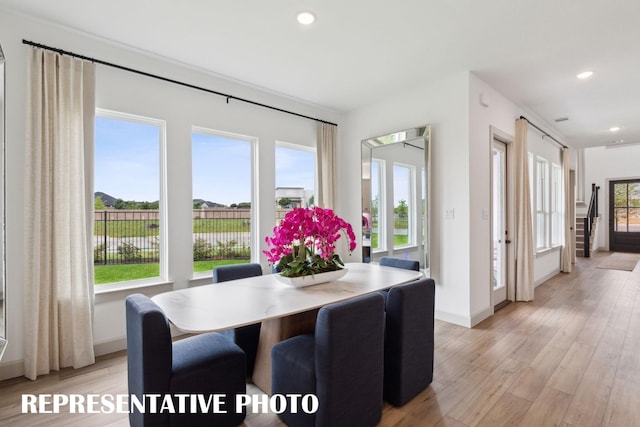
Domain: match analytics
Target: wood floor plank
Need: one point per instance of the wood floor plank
(623, 409)
(472, 407)
(571, 369)
(508, 411)
(591, 397)
(535, 376)
(547, 410)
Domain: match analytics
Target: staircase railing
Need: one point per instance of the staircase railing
(592, 213)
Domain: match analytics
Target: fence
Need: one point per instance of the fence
(132, 237)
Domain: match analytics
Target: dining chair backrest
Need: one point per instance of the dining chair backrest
(409, 340)
(225, 273)
(407, 264)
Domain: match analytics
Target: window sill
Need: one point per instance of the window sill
(200, 280)
(402, 248)
(118, 290)
(546, 251)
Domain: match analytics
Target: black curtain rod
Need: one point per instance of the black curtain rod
(414, 146)
(166, 79)
(544, 133)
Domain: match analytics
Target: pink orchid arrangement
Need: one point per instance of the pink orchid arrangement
(305, 241)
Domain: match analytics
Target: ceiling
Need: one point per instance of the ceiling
(361, 51)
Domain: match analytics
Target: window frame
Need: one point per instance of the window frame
(557, 207)
(411, 212)
(382, 205)
(162, 205)
(254, 213)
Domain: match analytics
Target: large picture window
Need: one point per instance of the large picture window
(222, 182)
(295, 177)
(403, 206)
(547, 202)
(128, 237)
(542, 205)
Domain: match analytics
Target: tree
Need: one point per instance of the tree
(312, 200)
(402, 209)
(284, 202)
(375, 203)
(98, 204)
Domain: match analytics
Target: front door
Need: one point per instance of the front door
(499, 223)
(624, 216)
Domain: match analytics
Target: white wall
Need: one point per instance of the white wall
(461, 162)
(601, 166)
(182, 108)
(443, 105)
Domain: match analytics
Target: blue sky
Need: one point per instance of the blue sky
(127, 164)
(295, 168)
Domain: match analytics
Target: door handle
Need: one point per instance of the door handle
(507, 241)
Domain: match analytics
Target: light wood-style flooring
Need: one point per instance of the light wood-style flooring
(570, 358)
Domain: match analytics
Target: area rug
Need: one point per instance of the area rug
(619, 261)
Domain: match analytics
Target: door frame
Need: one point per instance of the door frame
(572, 213)
(610, 207)
(496, 134)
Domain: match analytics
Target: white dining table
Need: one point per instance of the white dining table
(284, 310)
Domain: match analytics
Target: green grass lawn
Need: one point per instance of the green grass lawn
(146, 228)
(398, 240)
(125, 272)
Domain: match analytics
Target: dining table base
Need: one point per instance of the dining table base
(272, 332)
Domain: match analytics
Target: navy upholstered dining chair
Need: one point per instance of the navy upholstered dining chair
(246, 337)
(202, 364)
(409, 340)
(407, 264)
(342, 364)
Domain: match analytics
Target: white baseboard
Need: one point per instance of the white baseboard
(479, 317)
(12, 370)
(110, 347)
(546, 277)
(16, 368)
(463, 320)
(453, 318)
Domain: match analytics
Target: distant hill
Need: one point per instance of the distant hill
(208, 204)
(108, 200)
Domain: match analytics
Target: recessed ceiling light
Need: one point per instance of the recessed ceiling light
(585, 75)
(306, 18)
(614, 129)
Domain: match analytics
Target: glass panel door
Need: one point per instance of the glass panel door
(499, 223)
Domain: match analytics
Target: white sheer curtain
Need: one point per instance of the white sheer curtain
(522, 289)
(326, 161)
(58, 288)
(567, 249)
